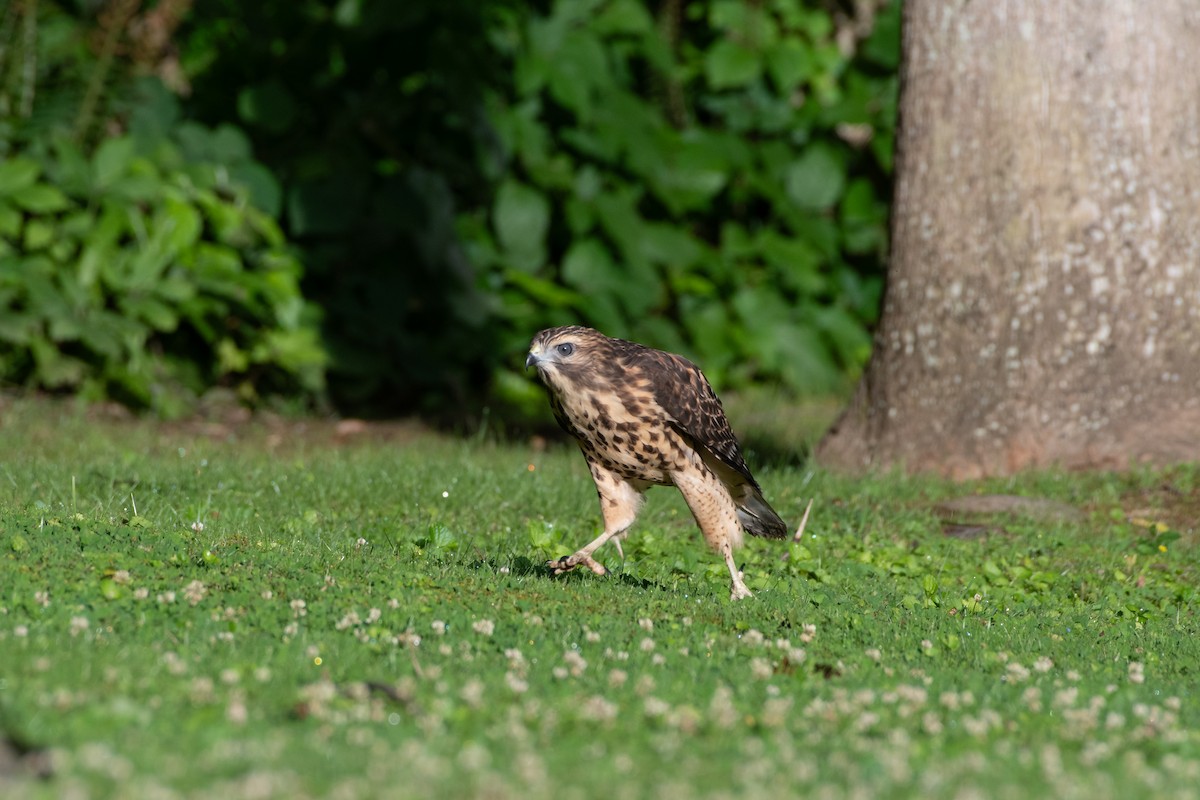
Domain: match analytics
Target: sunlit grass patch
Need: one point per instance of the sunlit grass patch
(273, 613)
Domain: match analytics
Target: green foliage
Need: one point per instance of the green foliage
(713, 180)
(370, 113)
(709, 177)
(141, 276)
(149, 267)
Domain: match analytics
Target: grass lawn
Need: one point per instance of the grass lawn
(292, 610)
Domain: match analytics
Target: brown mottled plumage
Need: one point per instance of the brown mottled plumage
(647, 418)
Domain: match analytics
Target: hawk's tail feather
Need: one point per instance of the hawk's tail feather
(759, 519)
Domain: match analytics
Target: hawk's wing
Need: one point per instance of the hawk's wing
(684, 393)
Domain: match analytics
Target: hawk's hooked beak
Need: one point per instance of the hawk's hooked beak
(534, 357)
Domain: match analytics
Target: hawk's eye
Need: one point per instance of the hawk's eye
(565, 349)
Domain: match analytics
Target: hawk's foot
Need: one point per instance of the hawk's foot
(568, 563)
(739, 589)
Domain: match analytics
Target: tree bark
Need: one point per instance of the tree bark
(1043, 298)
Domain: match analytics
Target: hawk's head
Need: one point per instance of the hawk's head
(567, 355)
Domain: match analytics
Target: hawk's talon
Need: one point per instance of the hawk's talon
(568, 563)
(560, 565)
(740, 592)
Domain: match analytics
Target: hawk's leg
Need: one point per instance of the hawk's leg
(739, 589)
(620, 502)
(717, 517)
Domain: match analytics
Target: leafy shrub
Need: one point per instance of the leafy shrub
(707, 176)
(370, 114)
(714, 181)
(143, 268)
(137, 275)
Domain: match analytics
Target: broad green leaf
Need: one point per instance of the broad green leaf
(623, 17)
(736, 243)
(762, 310)
(230, 357)
(819, 232)
(589, 267)
(77, 224)
(175, 287)
(229, 145)
(814, 181)
(667, 244)
(580, 68)
(521, 217)
(38, 234)
(543, 291)
(180, 226)
(883, 147)
(882, 47)
(848, 335)
(805, 363)
(62, 248)
(618, 214)
(72, 168)
(530, 72)
(147, 264)
(692, 173)
(10, 221)
(789, 63)
(708, 325)
(861, 204)
(154, 112)
(17, 173)
(136, 186)
(228, 223)
(728, 64)
(112, 160)
(864, 219)
(107, 331)
(154, 312)
(16, 328)
(91, 263)
(603, 312)
(580, 215)
(40, 198)
(215, 261)
(53, 369)
(794, 261)
(260, 182)
(296, 350)
(726, 14)
(817, 23)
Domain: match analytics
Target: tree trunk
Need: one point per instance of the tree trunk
(1043, 298)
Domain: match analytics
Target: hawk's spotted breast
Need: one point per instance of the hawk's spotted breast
(644, 417)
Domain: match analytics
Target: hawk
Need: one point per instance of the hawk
(645, 418)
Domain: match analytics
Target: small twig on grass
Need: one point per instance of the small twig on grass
(800, 531)
(396, 694)
(420, 673)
